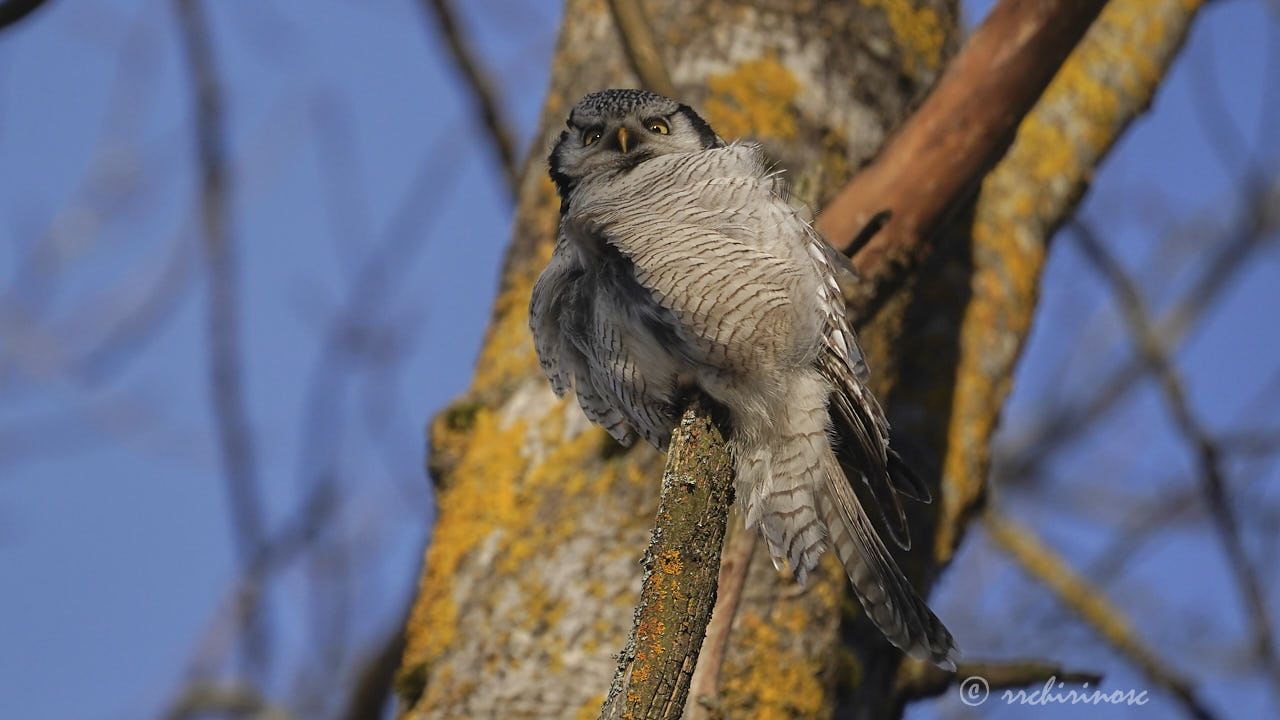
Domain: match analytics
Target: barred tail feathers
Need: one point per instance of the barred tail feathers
(886, 595)
(781, 504)
(792, 488)
(779, 458)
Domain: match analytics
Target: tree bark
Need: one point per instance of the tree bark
(533, 571)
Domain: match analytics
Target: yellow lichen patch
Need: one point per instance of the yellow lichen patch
(771, 681)
(541, 608)
(469, 512)
(755, 99)
(444, 690)
(917, 30)
(1109, 78)
(507, 354)
(590, 709)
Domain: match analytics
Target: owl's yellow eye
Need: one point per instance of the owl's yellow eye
(657, 125)
(591, 136)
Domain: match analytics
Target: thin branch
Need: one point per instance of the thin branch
(205, 699)
(1256, 443)
(919, 681)
(1141, 527)
(129, 335)
(1213, 482)
(681, 569)
(483, 94)
(1250, 232)
(642, 49)
(233, 613)
(230, 414)
(734, 565)
(14, 10)
(374, 681)
(1077, 594)
(959, 132)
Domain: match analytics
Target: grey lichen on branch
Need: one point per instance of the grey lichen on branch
(681, 569)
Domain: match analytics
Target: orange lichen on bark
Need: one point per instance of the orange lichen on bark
(1107, 80)
(671, 563)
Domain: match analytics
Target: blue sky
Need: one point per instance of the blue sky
(114, 535)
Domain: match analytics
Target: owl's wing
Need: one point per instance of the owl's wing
(858, 419)
(558, 310)
(545, 307)
(627, 340)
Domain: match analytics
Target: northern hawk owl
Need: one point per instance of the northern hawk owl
(680, 266)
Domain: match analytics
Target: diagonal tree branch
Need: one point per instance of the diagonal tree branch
(681, 567)
(1042, 563)
(957, 134)
(1213, 482)
(12, 11)
(931, 681)
(209, 699)
(642, 49)
(735, 562)
(225, 385)
(483, 94)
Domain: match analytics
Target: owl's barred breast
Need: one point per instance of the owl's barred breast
(706, 234)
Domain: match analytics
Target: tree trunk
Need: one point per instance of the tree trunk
(533, 572)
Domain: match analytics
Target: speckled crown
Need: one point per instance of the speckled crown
(617, 102)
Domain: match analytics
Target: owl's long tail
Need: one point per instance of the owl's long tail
(886, 595)
(793, 489)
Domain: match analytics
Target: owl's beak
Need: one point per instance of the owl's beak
(622, 138)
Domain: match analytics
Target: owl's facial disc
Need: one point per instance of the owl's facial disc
(615, 130)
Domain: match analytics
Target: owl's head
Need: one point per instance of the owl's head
(615, 130)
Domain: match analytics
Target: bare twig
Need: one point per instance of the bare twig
(1250, 232)
(642, 49)
(130, 333)
(12, 11)
(1155, 357)
(230, 414)
(1042, 563)
(229, 620)
(682, 566)
(1258, 443)
(205, 699)
(918, 681)
(482, 92)
(1140, 528)
(959, 132)
(734, 564)
(373, 682)
(350, 344)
